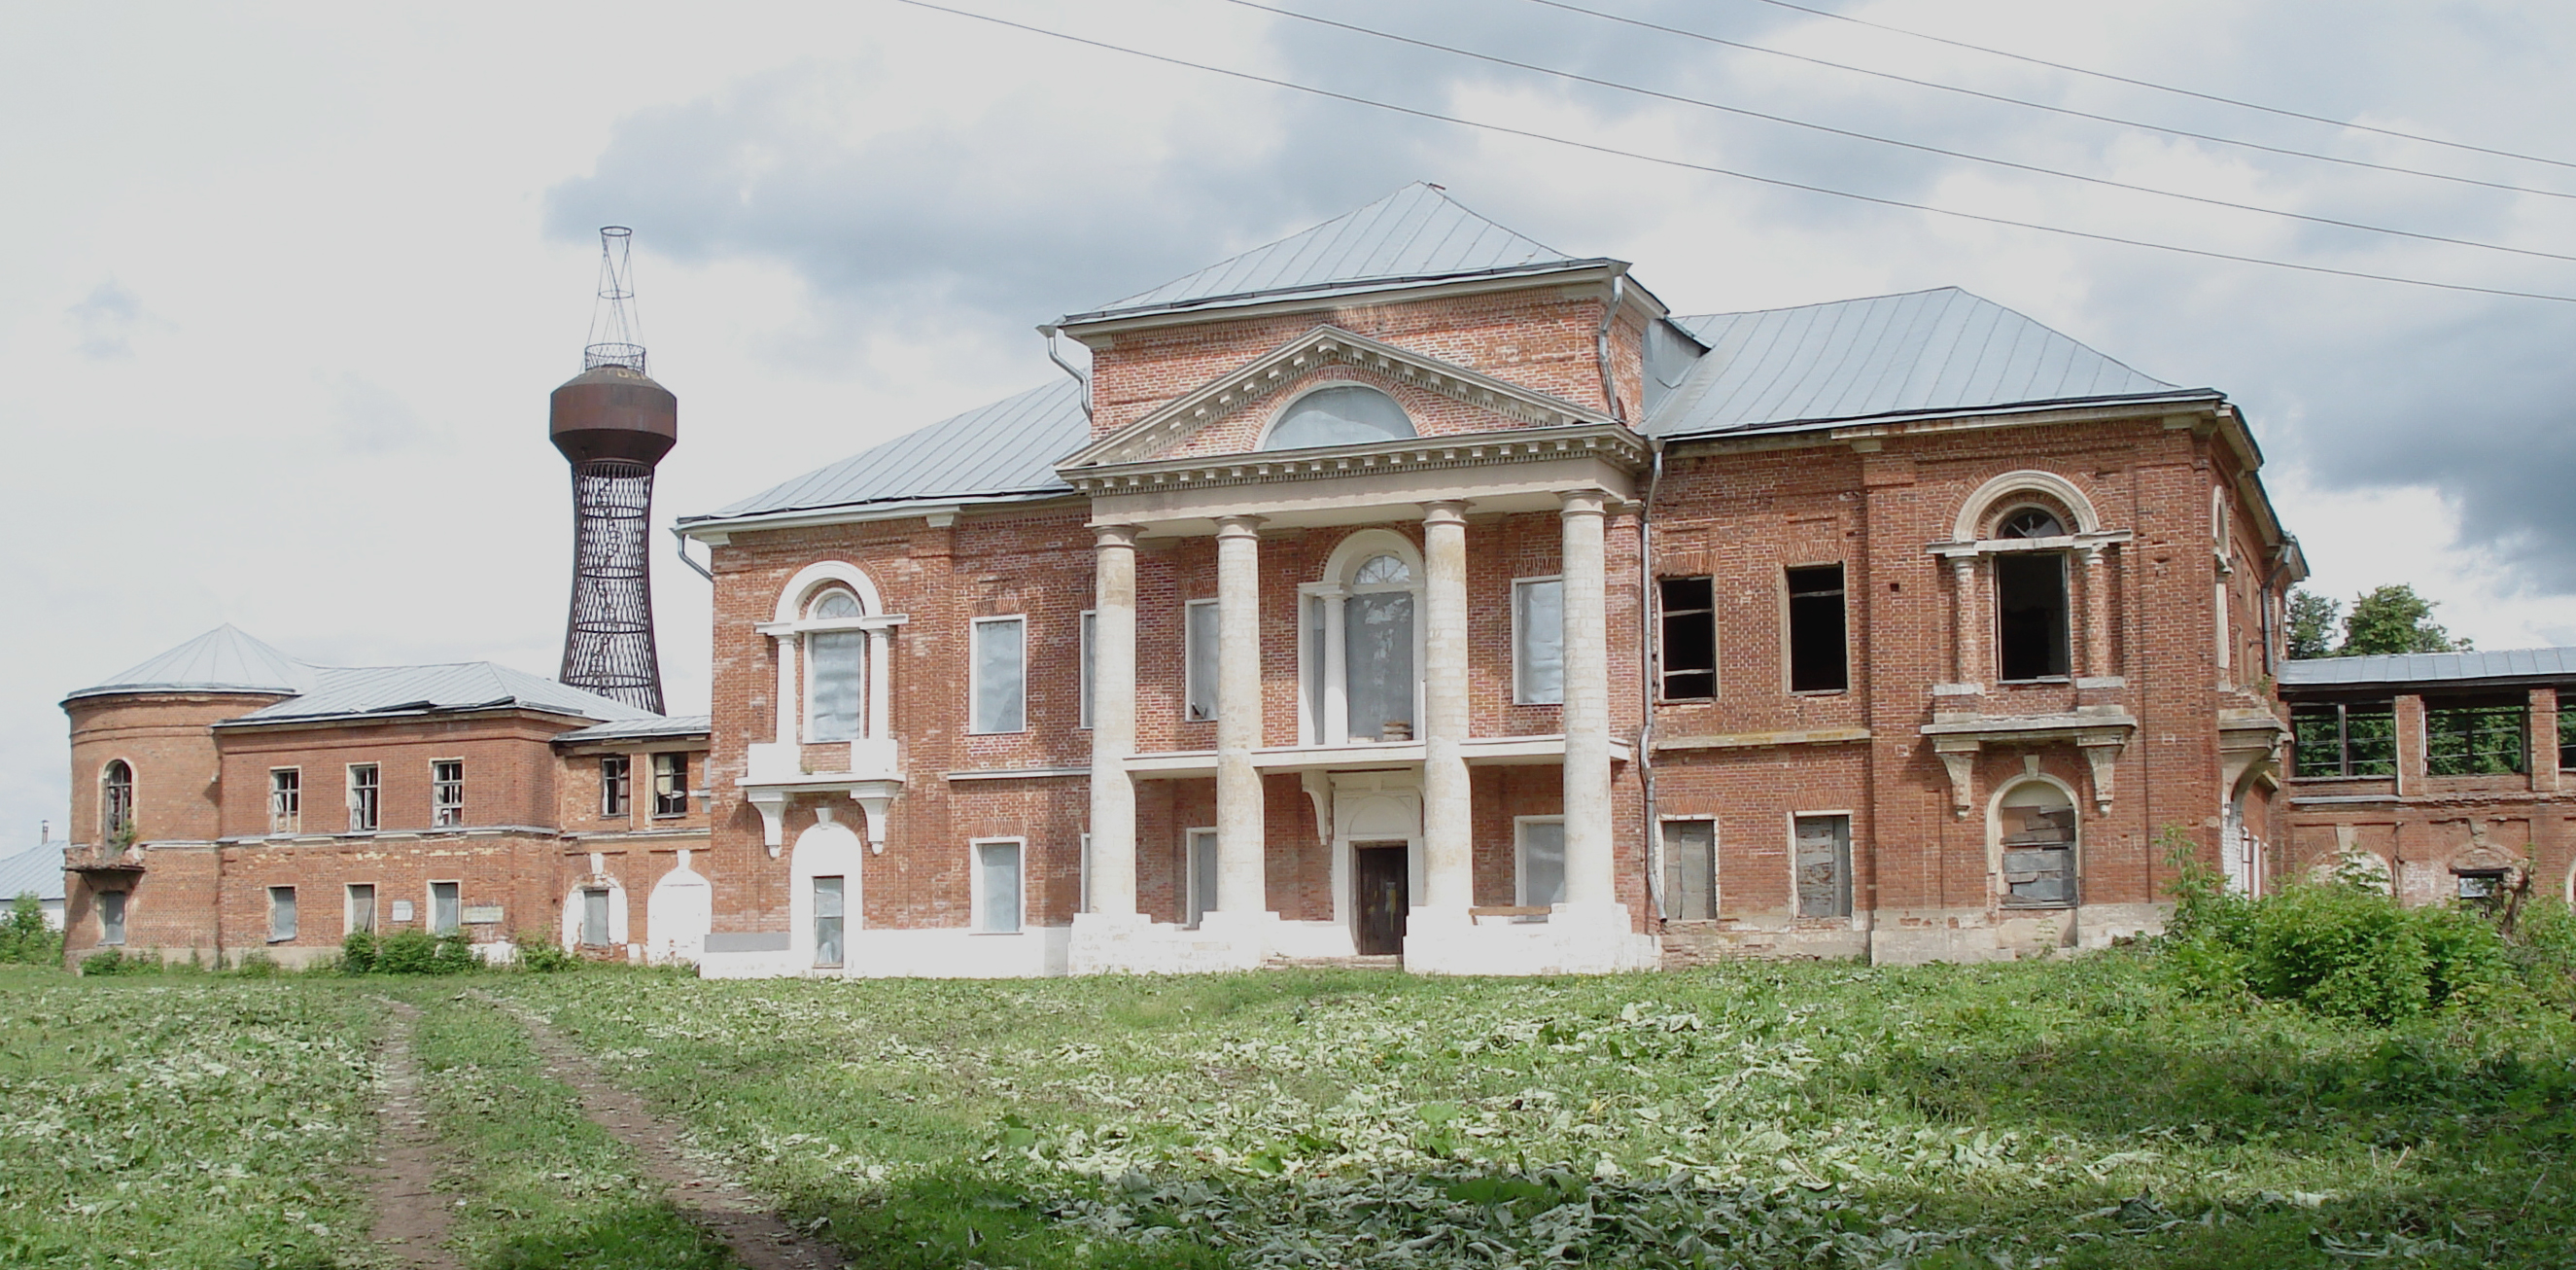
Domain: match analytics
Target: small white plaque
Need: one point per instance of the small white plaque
(402, 910)
(482, 914)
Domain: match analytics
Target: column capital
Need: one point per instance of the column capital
(1114, 535)
(1453, 512)
(1583, 502)
(1239, 526)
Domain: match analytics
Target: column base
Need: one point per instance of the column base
(1576, 939)
(1129, 943)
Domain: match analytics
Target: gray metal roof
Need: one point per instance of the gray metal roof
(2402, 668)
(1924, 352)
(1009, 447)
(37, 869)
(1417, 234)
(633, 729)
(382, 690)
(221, 660)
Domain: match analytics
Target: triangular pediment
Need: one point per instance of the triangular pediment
(1168, 430)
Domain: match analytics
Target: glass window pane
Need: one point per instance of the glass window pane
(1350, 415)
(827, 921)
(1538, 613)
(442, 908)
(281, 914)
(1201, 637)
(1378, 657)
(998, 865)
(836, 604)
(1542, 864)
(111, 917)
(832, 684)
(594, 917)
(1000, 690)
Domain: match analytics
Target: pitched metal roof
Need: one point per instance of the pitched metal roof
(2401, 668)
(1924, 352)
(221, 660)
(629, 729)
(1009, 447)
(385, 690)
(37, 869)
(1417, 234)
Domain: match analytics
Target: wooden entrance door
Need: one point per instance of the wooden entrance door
(1378, 877)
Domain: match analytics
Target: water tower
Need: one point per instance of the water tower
(613, 423)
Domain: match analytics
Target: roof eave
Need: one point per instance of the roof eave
(1086, 326)
(188, 690)
(409, 714)
(1861, 425)
(713, 529)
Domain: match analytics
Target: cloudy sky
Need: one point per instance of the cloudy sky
(283, 287)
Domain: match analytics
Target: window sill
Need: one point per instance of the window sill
(2061, 907)
(1005, 934)
(2042, 679)
(1843, 691)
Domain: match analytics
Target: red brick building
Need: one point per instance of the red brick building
(1409, 588)
(229, 800)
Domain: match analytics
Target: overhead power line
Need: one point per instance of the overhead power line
(2168, 88)
(2116, 120)
(1684, 164)
(2059, 173)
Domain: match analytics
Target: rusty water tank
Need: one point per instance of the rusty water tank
(614, 412)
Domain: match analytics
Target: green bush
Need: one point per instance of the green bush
(24, 937)
(407, 952)
(358, 953)
(533, 951)
(257, 964)
(116, 961)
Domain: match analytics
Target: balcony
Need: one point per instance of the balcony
(104, 857)
(869, 771)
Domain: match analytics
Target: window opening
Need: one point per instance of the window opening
(446, 793)
(616, 784)
(1538, 642)
(1823, 845)
(443, 908)
(832, 684)
(2038, 827)
(827, 921)
(116, 798)
(111, 917)
(1202, 875)
(835, 604)
(2030, 614)
(2483, 887)
(285, 800)
(670, 784)
(594, 917)
(362, 907)
(1000, 688)
(1540, 867)
(365, 797)
(2030, 522)
(1689, 654)
(1199, 637)
(281, 914)
(1377, 639)
(1690, 870)
(2567, 733)
(2344, 739)
(2474, 740)
(1818, 661)
(997, 887)
(1382, 571)
(1345, 415)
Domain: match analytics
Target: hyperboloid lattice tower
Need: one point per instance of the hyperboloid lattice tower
(613, 423)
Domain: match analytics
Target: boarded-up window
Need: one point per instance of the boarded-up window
(1824, 866)
(281, 914)
(446, 793)
(1538, 642)
(827, 921)
(2038, 832)
(1688, 650)
(2030, 615)
(832, 684)
(362, 907)
(1202, 875)
(594, 917)
(1816, 630)
(1000, 690)
(443, 908)
(111, 917)
(1378, 648)
(2357, 738)
(1542, 861)
(1199, 637)
(1690, 870)
(997, 887)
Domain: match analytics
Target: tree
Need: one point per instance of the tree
(2313, 620)
(2393, 619)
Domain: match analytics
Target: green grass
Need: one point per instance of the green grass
(2081, 1113)
(541, 1184)
(182, 1121)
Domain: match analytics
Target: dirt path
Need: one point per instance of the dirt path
(759, 1239)
(411, 1216)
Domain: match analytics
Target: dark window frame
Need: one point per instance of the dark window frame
(616, 785)
(670, 784)
(115, 798)
(2034, 633)
(2477, 736)
(446, 793)
(1689, 627)
(1818, 647)
(2343, 740)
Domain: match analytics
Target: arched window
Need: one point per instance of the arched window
(834, 659)
(1362, 646)
(2035, 838)
(1345, 415)
(2030, 522)
(116, 798)
(2032, 612)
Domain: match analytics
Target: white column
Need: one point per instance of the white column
(1113, 723)
(1241, 886)
(880, 684)
(1337, 673)
(1968, 667)
(1588, 871)
(2097, 615)
(787, 733)
(1448, 859)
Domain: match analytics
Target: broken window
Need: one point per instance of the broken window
(1000, 689)
(444, 914)
(670, 784)
(1201, 870)
(1690, 870)
(285, 800)
(2037, 830)
(281, 914)
(997, 887)
(362, 907)
(1540, 860)
(2030, 522)
(2030, 612)
(1090, 630)
(1200, 635)
(1688, 655)
(365, 797)
(827, 921)
(2567, 734)
(2474, 738)
(1378, 651)
(111, 917)
(594, 916)
(1345, 415)
(116, 798)
(1538, 642)
(1817, 660)
(2356, 738)
(1823, 865)
(2483, 888)
(446, 793)
(616, 784)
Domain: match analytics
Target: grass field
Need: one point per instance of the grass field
(2081, 1113)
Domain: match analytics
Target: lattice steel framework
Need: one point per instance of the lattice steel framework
(612, 424)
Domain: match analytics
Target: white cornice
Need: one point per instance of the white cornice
(1475, 449)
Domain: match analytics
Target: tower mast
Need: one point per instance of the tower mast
(613, 424)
